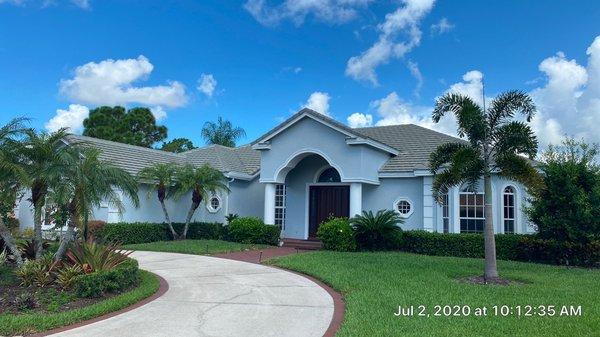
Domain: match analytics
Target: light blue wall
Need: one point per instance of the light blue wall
(354, 162)
(383, 197)
(247, 198)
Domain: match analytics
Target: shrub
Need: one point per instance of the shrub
(93, 257)
(25, 301)
(101, 282)
(337, 234)
(379, 231)
(230, 217)
(253, 231)
(94, 226)
(27, 247)
(201, 230)
(39, 273)
(65, 277)
(534, 249)
(129, 233)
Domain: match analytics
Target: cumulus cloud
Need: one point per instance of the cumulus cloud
(399, 33)
(72, 118)
(330, 11)
(159, 113)
(207, 84)
(84, 4)
(360, 120)
(413, 67)
(441, 27)
(319, 102)
(111, 82)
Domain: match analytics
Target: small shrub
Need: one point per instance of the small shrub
(92, 257)
(27, 233)
(27, 247)
(39, 273)
(26, 273)
(25, 301)
(98, 283)
(337, 234)
(252, 230)
(378, 231)
(65, 277)
(94, 226)
(230, 217)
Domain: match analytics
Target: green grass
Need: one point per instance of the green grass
(11, 324)
(197, 247)
(375, 284)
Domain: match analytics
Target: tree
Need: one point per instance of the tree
(567, 207)
(162, 177)
(13, 177)
(178, 145)
(202, 182)
(137, 126)
(496, 144)
(222, 133)
(45, 164)
(86, 183)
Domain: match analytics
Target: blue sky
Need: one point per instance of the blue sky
(262, 60)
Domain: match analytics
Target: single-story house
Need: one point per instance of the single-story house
(310, 167)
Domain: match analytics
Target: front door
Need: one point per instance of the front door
(326, 201)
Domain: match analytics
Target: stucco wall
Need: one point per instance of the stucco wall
(247, 198)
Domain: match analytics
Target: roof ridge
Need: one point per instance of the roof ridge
(100, 140)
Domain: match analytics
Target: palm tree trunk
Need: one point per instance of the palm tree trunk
(10, 242)
(37, 231)
(490, 270)
(188, 219)
(168, 219)
(66, 239)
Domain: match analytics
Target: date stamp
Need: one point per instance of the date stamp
(492, 310)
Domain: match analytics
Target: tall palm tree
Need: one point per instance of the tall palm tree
(45, 165)
(202, 181)
(162, 177)
(13, 177)
(222, 133)
(496, 145)
(87, 182)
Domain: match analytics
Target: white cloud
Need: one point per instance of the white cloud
(207, 84)
(159, 113)
(71, 119)
(413, 67)
(319, 102)
(471, 86)
(331, 11)
(85, 4)
(443, 26)
(360, 120)
(404, 21)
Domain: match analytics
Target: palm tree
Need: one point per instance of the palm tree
(203, 182)
(496, 145)
(45, 165)
(162, 177)
(86, 183)
(13, 177)
(222, 133)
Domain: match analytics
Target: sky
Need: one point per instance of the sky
(256, 62)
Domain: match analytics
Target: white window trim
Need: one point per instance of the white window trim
(516, 229)
(395, 207)
(209, 207)
(282, 207)
(467, 217)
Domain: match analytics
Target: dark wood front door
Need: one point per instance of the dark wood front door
(326, 201)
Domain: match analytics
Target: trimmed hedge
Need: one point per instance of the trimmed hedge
(337, 234)
(143, 232)
(98, 283)
(517, 247)
(252, 230)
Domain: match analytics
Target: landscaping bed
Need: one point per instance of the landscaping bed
(374, 284)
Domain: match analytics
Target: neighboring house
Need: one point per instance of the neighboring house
(310, 167)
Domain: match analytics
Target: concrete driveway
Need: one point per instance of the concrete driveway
(210, 296)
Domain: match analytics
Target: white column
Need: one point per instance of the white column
(355, 199)
(428, 204)
(269, 216)
(455, 207)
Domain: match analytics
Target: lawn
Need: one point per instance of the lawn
(375, 284)
(197, 247)
(11, 324)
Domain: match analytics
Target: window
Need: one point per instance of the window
(330, 175)
(445, 213)
(280, 192)
(472, 207)
(509, 209)
(214, 204)
(404, 207)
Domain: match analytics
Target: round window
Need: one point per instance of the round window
(214, 204)
(404, 207)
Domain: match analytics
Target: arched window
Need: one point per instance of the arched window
(446, 213)
(329, 175)
(509, 209)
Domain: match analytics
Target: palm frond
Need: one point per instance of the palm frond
(515, 137)
(517, 168)
(507, 104)
(466, 166)
(443, 155)
(469, 116)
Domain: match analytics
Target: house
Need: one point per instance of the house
(310, 167)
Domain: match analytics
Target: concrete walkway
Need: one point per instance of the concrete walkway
(211, 296)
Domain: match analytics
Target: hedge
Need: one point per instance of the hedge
(143, 232)
(337, 234)
(518, 247)
(252, 230)
(116, 280)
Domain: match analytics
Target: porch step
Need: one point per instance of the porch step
(302, 244)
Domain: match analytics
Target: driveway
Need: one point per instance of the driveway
(211, 296)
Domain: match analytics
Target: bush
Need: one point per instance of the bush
(200, 230)
(337, 234)
(99, 283)
(533, 249)
(378, 231)
(252, 230)
(143, 232)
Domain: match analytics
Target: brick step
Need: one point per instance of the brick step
(302, 244)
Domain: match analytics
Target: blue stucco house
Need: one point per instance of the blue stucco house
(310, 167)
